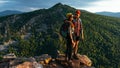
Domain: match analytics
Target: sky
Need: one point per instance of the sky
(88, 5)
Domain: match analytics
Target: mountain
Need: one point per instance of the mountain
(37, 33)
(9, 12)
(113, 14)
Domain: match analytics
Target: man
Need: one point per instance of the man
(78, 32)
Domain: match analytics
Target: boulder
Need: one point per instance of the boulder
(85, 60)
(25, 65)
(10, 55)
(29, 65)
(43, 59)
(82, 62)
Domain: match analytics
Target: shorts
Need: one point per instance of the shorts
(76, 38)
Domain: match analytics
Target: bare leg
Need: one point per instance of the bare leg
(76, 50)
(76, 47)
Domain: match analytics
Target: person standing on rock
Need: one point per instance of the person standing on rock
(69, 38)
(66, 31)
(78, 32)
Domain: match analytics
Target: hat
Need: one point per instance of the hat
(68, 15)
(77, 12)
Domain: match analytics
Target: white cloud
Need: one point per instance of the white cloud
(2, 2)
(33, 8)
(108, 5)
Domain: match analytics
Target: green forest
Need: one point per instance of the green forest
(101, 43)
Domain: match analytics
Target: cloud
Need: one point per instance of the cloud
(25, 5)
(47, 3)
(2, 2)
(32, 8)
(108, 5)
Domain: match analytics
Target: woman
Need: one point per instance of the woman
(70, 43)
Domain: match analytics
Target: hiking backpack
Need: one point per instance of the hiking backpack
(64, 29)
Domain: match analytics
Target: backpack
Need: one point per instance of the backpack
(64, 29)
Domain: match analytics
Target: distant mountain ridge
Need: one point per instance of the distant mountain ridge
(113, 14)
(9, 12)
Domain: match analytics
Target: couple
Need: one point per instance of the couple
(75, 31)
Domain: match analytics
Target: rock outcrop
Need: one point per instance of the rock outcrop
(46, 61)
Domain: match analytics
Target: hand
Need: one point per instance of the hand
(73, 44)
(82, 37)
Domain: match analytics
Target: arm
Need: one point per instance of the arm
(82, 32)
(70, 34)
